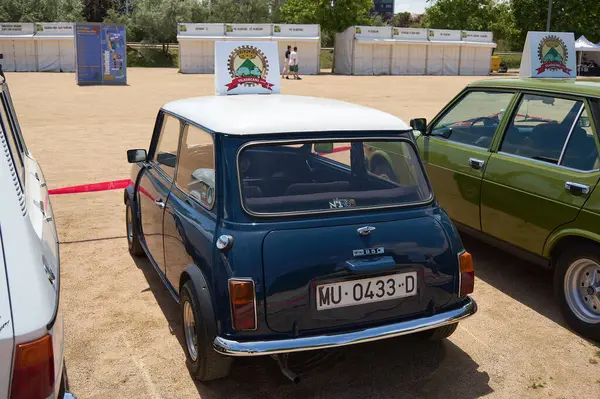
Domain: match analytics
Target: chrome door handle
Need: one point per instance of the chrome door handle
(577, 188)
(476, 163)
(159, 202)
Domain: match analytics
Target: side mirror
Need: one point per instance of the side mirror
(135, 156)
(419, 124)
(324, 148)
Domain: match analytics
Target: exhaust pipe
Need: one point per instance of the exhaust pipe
(282, 362)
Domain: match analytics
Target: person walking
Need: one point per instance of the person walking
(286, 63)
(294, 63)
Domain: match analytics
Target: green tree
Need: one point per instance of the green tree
(96, 10)
(41, 10)
(402, 19)
(333, 16)
(236, 11)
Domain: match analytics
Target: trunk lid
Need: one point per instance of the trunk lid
(303, 266)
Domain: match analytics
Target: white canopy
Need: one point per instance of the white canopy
(583, 44)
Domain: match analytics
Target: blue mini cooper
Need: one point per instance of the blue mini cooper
(273, 222)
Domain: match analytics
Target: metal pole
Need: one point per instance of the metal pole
(549, 15)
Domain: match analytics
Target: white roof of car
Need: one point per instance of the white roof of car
(253, 114)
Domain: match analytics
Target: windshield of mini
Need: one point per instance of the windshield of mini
(320, 176)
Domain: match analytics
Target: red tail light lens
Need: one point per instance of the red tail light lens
(33, 374)
(467, 274)
(243, 304)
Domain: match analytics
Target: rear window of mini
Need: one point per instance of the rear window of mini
(316, 176)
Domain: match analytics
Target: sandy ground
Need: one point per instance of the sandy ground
(123, 335)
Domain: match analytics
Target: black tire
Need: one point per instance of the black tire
(208, 365)
(133, 239)
(383, 169)
(566, 259)
(437, 334)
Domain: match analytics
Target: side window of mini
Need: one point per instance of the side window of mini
(196, 167)
(14, 145)
(474, 118)
(168, 141)
(553, 130)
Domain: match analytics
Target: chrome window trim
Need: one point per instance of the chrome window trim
(562, 152)
(157, 164)
(255, 304)
(328, 211)
(548, 163)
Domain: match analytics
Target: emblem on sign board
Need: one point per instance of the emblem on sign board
(553, 55)
(182, 28)
(248, 66)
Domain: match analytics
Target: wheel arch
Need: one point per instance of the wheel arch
(194, 274)
(565, 239)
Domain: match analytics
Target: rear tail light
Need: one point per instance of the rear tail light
(467, 274)
(243, 304)
(33, 374)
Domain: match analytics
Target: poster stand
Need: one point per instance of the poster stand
(100, 54)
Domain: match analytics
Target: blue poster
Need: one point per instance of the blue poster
(114, 54)
(88, 65)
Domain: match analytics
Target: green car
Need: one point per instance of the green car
(515, 162)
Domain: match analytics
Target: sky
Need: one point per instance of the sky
(412, 6)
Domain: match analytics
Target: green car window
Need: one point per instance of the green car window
(581, 152)
(540, 127)
(474, 118)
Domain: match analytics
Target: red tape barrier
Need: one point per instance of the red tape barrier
(89, 188)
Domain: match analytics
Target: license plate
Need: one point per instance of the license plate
(368, 290)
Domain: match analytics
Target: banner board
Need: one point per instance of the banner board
(246, 67)
(248, 30)
(373, 32)
(549, 55)
(296, 30)
(188, 29)
(16, 28)
(474, 36)
(410, 34)
(54, 29)
(101, 54)
(444, 35)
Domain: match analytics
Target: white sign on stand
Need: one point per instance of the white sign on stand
(549, 55)
(410, 34)
(373, 32)
(474, 36)
(246, 67)
(16, 28)
(248, 30)
(54, 29)
(444, 35)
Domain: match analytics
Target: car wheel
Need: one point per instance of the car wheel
(437, 334)
(133, 240)
(202, 361)
(577, 289)
(384, 170)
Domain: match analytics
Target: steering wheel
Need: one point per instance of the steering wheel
(484, 119)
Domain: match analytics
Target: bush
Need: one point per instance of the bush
(152, 57)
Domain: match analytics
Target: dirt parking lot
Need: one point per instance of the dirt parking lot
(123, 335)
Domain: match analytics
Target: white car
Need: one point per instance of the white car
(31, 322)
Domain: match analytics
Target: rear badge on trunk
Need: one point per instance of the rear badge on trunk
(368, 251)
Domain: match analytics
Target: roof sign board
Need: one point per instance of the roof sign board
(16, 29)
(246, 67)
(248, 30)
(188, 29)
(373, 32)
(410, 34)
(474, 36)
(549, 55)
(444, 35)
(296, 30)
(54, 29)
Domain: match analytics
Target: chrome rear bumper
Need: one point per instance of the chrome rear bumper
(259, 348)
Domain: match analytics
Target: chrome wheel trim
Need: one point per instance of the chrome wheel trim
(582, 290)
(189, 330)
(129, 220)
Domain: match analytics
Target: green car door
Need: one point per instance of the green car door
(541, 172)
(455, 150)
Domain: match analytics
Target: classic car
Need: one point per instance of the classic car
(260, 216)
(31, 320)
(515, 162)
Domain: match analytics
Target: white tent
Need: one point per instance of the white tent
(476, 53)
(17, 47)
(409, 51)
(587, 51)
(583, 44)
(364, 50)
(443, 52)
(55, 47)
(197, 43)
(197, 46)
(308, 40)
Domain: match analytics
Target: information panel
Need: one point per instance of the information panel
(101, 54)
(88, 58)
